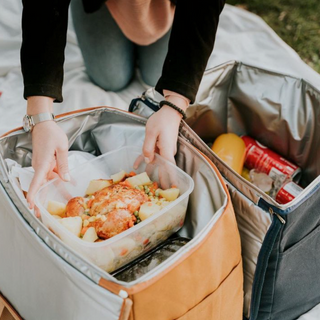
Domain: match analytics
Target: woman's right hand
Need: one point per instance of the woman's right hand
(50, 148)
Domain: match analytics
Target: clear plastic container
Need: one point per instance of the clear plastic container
(115, 252)
(142, 265)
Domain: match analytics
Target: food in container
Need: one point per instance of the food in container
(132, 241)
(113, 207)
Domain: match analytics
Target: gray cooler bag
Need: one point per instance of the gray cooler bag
(280, 243)
(45, 279)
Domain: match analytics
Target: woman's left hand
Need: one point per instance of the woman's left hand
(162, 131)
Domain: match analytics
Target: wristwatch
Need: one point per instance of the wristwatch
(30, 121)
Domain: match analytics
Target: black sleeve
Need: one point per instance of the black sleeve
(191, 43)
(90, 6)
(44, 30)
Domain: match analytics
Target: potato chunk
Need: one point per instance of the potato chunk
(56, 208)
(139, 179)
(97, 185)
(90, 235)
(148, 209)
(170, 194)
(117, 177)
(73, 224)
(56, 217)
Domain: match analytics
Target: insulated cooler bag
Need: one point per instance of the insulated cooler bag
(43, 278)
(280, 243)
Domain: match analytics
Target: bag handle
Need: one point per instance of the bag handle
(126, 309)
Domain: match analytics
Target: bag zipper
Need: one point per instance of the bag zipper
(262, 265)
(277, 215)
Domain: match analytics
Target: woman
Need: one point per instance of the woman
(116, 31)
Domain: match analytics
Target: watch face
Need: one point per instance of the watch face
(26, 123)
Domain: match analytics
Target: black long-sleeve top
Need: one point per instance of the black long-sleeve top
(44, 29)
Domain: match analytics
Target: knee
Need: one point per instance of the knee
(110, 80)
(150, 77)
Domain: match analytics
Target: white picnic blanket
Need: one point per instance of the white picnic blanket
(241, 36)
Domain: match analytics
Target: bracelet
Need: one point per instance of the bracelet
(173, 106)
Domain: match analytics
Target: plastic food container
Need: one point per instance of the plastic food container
(142, 265)
(115, 252)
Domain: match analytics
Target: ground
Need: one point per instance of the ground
(295, 21)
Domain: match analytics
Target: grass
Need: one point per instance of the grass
(297, 22)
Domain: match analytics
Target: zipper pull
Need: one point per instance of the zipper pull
(278, 215)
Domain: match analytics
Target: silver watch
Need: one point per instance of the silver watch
(30, 121)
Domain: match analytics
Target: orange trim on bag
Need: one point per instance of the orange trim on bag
(115, 288)
(11, 131)
(58, 116)
(5, 304)
(70, 113)
(126, 309)
(78, 111)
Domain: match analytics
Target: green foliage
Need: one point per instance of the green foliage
(297, 22)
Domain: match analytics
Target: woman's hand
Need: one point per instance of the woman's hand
(162, 130)
(50, 148)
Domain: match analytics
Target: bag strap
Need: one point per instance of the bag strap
(147, 103)
(126, 309)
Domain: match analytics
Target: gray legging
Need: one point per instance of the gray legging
(109, 56)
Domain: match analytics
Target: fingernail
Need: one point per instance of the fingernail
(29, 205)
(66, 177)
(147, 160)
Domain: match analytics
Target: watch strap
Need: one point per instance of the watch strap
(40, 117)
